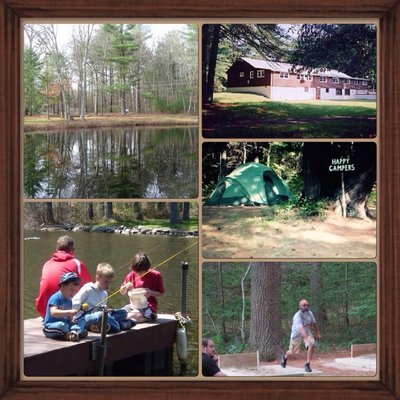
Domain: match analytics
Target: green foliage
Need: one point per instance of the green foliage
(337, 46)
(32, 66)
(311, 208)
(348, 299)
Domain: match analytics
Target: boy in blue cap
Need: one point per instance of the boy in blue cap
(59, 321)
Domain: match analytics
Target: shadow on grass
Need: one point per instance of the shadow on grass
(289, 120)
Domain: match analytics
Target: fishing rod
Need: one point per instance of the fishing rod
(141, 276)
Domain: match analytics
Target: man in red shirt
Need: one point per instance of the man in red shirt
(62, 261)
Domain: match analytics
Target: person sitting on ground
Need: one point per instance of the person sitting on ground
(62, 261)
(143, 303)
(59, 319)
(210, 359)
(94, 295)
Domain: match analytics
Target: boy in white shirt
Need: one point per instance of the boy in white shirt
(94, 294)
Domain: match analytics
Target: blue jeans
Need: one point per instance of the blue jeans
(58, 329)
(114, 317)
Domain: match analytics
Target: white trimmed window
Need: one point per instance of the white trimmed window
(335, 80)
(260, 73)
(347, 92)
(241, 74)
(309, 77)
(251, 74)
(365, 83)
(284, 75)
(322, 78)
(360, 82)
(338, 92)
(347, 81)
(327, 90)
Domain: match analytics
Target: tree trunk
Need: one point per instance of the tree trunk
(173, 213)
(90, 212)
(186, 211)
(137, 208)
(49, 213)
(222, 298)
(323, 165)
(212, 60)
(109, 210)
(317, 289)
(265, 331)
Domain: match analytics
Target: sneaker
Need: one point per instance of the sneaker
(283, 361)
(83, 334)
(72, 336)
(307, 367)
(128, 324)
(153, 316)
(96, 328)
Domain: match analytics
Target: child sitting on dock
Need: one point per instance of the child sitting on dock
(93, 295)
(143, 285)
(58, 322)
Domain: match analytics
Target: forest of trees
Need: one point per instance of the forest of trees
(306, 169)
(349, 48)
(109, 68)
(104, 163)
(91, 213)
(250, 306)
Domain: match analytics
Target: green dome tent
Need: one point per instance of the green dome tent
(249, 184)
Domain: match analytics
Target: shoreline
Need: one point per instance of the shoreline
(41, 123)
(117, 229)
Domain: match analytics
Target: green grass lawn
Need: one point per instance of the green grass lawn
(247, 115)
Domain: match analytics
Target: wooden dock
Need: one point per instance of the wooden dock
(144, 350)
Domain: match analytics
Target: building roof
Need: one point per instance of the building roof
(286, 67)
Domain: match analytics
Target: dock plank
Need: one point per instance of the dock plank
(49, 357)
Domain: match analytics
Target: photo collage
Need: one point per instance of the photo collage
(200, 200)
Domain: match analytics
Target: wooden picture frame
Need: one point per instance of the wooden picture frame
(11, 14)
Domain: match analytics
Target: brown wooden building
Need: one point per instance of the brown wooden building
(281, 81)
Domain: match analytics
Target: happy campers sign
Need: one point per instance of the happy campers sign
(342, 164)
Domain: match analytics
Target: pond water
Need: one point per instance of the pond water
(117, 250)
(112, 163)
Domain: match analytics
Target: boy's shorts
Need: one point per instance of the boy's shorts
(295, 344)
(147, 312)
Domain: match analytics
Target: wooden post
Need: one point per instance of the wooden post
(102, 345)
(344, 212)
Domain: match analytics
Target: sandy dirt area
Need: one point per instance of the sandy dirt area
(239, 232)
(337, 364)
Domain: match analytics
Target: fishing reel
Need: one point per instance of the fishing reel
(82, 311)
(182, 320)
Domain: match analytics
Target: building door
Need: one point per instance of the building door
(318, 93)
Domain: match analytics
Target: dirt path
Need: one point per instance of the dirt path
(239, 232)
(337, 364)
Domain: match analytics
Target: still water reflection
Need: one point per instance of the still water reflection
(117, 250)
(112, 163)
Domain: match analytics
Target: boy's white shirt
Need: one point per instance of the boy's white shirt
(91, 294)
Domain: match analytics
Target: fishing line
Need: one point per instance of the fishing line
(141, 276)
(128, 263)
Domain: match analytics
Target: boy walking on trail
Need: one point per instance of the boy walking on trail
(303, 320)
(94, 295)
(59, 319)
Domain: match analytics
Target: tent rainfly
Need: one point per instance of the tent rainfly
(249, 184)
